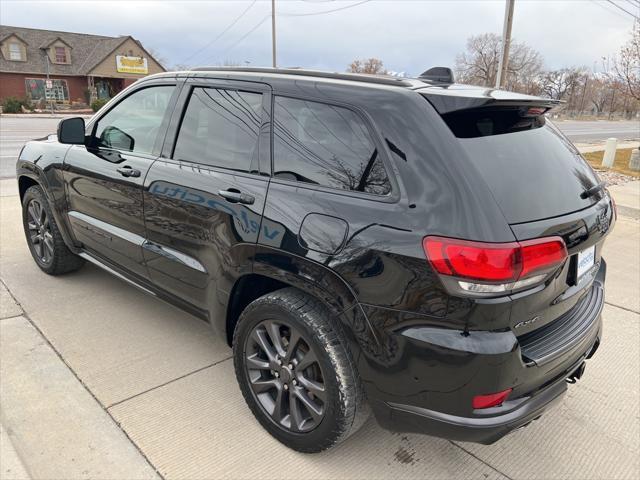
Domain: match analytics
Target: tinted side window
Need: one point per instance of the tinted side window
(326, 145)
(220, 128)
(134, 123)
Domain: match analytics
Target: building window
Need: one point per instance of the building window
(36, 90)
(15, 52)
(61, 55)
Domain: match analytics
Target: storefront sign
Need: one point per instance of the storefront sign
(131, 64)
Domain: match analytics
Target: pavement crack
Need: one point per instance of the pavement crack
(197, 370)
(481, 460)
(621, 307)
(84, 385)
(12, 316)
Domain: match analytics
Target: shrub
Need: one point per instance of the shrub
(14, 105)
(98, 104)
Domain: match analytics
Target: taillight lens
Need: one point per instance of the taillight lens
(491, 400)
(505, 264)
(479, 261)
(541, 255)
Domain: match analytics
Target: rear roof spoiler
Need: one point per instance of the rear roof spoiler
(458, 97)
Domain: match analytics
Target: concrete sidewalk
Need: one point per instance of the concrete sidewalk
(627, 197)
(102, 381)
(52, 426)
(599, 146)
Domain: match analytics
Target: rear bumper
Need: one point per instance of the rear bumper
(488, 428)
(445, 369)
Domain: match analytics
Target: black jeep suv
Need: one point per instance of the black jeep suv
(426, 250)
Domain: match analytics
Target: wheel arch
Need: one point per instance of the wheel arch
(24, 183)
(274, 271)
(30, 175)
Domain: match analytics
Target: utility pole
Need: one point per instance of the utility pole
(273, 32)
(47, 90)
(506, 43)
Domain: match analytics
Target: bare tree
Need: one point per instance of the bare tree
(562, 84)
(178, 67)
(599, 93)
(479, 63)
(372, 66)
(627, 65)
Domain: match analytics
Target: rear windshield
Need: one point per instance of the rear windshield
(532, 169)
(484, 123)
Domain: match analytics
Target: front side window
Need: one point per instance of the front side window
(15, 52)
(220, 128)
(61, 55)
(134, 123)
(326, 145)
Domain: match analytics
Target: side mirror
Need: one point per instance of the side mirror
(113, 137)
(71, 131)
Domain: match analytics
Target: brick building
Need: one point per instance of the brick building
(81, 67)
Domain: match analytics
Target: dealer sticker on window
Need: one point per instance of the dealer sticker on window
(586, 260)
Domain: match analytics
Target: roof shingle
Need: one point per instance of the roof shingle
(87, 51)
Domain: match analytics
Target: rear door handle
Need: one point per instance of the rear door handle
(127, 171)
(235, 196)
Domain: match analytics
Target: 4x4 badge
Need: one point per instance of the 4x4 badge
(602, 222)
(527, 322)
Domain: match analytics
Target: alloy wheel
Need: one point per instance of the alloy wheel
(285, 376)
(40, 231)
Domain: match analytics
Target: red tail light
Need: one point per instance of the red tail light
(540, 255)
(494, 262)
(491, 400)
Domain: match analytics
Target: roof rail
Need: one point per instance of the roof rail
(357, 77)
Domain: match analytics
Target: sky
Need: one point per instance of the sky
(407, 35)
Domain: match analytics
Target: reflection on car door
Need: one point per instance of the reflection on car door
(204, 198)
(104, 178)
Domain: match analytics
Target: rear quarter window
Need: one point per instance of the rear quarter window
(326, 145)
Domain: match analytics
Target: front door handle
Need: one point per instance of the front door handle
(127, 171)
(235, 196)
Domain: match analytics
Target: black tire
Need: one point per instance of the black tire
(43, 236)
(344, 407)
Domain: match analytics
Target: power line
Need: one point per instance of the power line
(221, 33)
(604, 6)
(253, 29)
(623, 9)
(323, 12)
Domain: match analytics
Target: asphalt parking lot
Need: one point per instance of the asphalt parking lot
(100, 380)
(14, 132)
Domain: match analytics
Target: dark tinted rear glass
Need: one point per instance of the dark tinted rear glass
(326, 145)
(484, 123)
(534, 173)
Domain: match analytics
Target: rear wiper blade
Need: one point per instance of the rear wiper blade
(589, 192)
